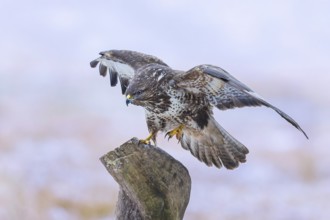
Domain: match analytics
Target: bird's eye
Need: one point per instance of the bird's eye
(139, 92)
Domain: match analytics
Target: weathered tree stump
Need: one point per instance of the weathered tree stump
(153, 185)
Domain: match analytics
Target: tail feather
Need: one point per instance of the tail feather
(214, 146)
(204, 155)
(215, 158)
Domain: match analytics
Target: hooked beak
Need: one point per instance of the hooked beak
(128, 99)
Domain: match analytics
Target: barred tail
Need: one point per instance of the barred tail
(213, 145)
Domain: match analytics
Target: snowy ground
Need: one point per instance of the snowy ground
(57, 116)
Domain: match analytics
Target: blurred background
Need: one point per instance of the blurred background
(58, 116)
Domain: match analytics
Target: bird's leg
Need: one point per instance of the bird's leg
(177, 132)
(151, 136)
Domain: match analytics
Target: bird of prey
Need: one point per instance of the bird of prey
(180, 103)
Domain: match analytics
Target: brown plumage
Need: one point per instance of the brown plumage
(180, 103)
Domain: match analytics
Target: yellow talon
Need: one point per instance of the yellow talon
(147, 140)
(177, 132)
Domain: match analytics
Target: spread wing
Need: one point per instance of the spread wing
(122, 65)
(224, 91)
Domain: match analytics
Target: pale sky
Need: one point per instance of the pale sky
(53, 105)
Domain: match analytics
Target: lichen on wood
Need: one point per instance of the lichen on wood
(153, 185)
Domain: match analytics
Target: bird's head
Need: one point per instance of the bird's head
(146, 86)
(138, 93)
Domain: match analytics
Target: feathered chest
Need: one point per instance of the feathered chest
(182, 109)
(177, 105)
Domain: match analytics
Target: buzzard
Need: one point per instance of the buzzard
(181, 103)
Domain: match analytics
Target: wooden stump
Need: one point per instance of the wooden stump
(153, 185)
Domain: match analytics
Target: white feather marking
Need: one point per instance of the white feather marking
(194, 89)
(216, 84)
(160, 77)
(122, 69)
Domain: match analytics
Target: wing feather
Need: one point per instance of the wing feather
(113, 77)
(224, 91)
(122, 65)
(94, 63)
(102, 69)
(124, 82)
(116, 70)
